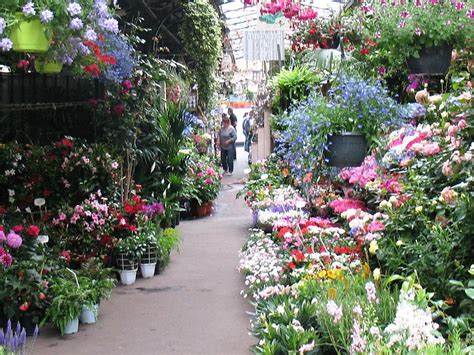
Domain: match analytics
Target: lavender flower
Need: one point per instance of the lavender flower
(46, 16)
(371, 292)
(74, 9)
(90, 35)
(6, 44)
(29, 9)
(76, 24)
(2, 25)
(153, 209)
(109, 24)
(101, 8)
(358, 342)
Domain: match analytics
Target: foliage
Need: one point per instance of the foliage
(202, 21)
(292, 86)
(168, 241)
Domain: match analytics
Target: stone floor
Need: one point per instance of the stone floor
(193, 307)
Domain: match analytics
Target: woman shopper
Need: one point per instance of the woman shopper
(227, 138)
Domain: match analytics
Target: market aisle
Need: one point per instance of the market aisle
(194, 307)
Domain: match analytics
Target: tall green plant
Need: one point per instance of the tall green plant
(201, 33)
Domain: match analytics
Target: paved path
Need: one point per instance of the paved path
(193, 307)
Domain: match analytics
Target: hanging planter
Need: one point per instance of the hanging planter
(432, 60)
(48, 67)
(89, 314)
(29, 36)
(72, 326)
(128, 267)
(346, 149)
(148, 261)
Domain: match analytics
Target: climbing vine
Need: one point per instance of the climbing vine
(201, 33)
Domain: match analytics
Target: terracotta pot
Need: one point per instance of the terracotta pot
(208, 207)
(199, 210)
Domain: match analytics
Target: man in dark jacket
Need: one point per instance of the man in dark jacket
(233, 122)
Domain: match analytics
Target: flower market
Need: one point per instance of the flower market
(236, 177)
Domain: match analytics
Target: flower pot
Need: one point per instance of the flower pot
(432, 60)
(128, 277)
(72, 327)
(199, 210)
(29, 36)
(208, 207)
(48, 67)
(89, 315)
(346, 149)
(147, 270)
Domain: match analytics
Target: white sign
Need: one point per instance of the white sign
(264, 45)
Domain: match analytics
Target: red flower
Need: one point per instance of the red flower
(24, 307)
(107, 59)
(291, 265)
(33, 230)
(42, 296)
(92, 69)
(298, 255)
(65, 254)
(119, 109)
(66, 142)
(364, 51)
(3, 210)
(17, 228)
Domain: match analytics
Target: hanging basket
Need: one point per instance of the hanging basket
(432, 60)
(29, 36)
(48, 67)
(346, 150)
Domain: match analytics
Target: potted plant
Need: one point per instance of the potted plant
(67, 303)
(97, 283)
(149, 249)
(169, 240)
(127, 253)
(420, 33)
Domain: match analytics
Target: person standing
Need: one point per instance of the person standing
(227, 138)
(233, 122)
(246, 130)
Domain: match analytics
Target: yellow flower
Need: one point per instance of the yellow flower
(332, 292)
(322, 274)
(373, 247)
(419, 209)
(366, 270)
(376, 274)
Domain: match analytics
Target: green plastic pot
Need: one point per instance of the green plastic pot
(48, 67)
(29, 36)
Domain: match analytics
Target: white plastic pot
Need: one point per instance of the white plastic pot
(128, 277)
(147, 270)
(72, 327)
(89, 315)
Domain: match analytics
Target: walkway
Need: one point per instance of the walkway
(193, 307)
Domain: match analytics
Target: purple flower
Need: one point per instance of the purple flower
(470, 13)
(102, 10)
(2, 25)
(14, 240)
(109, 24)
(405, 14)
(153, 209)
(76, 24)
(459, 5)
(402, 24)
(381, 70)
(90, 35)
(6, 44)
(418, 31)
(46, 16)
(29, 9)
(74, 9)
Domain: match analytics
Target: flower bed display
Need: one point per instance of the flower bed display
(356, 277)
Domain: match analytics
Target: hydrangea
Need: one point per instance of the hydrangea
(2, 25)
(46, 16)
(6, 44)
(74, 9)
(29, 9)
(14, 240)
(76, 24)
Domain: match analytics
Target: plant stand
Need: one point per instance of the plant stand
(128, 269)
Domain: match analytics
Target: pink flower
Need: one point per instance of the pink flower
(376, 226)
(377, 34)
(405, 14)
(371, 292)
(2, 236)
(14, 240)
(459, 5)
(5, 258)
(208, 181)
(402, 24)
(381, 70)
(430, 149)
(62, 216)
(448, 195)
(200, 174)
(210, 171)
(452, 130)
(462, 123)
(418, 31)
(470, 13)
(334, 310)
(447, 170)
(342, 205)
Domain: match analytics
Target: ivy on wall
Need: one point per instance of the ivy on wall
(201, 33)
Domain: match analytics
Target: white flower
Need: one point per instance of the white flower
(11, 193)
(264, 176)
(42, 239)
(307, 347)
(247, 171)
